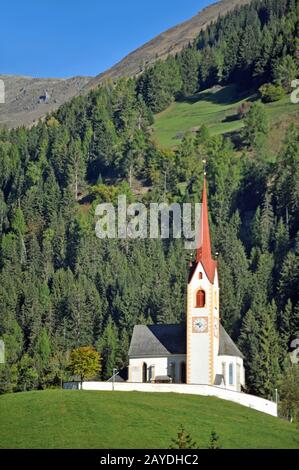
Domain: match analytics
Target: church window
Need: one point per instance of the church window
(200, 275)
(231, 374)
(200, 298)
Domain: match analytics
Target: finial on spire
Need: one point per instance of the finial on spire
(204, 161)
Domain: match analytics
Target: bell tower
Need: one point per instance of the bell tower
(202, 322)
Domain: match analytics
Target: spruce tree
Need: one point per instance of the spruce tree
(183, 440)
(249, 345)
(268, 369)
(107, 345)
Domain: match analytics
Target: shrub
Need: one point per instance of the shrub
(270, 92)
(243, 109)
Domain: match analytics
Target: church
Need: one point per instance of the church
(198, 351)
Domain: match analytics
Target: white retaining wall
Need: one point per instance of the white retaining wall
(251, 401)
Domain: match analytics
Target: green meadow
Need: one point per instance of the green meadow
(83, 419)
(216, 108)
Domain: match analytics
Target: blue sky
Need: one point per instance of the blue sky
(61, 38)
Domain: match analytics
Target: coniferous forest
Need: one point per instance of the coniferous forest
(61, 287)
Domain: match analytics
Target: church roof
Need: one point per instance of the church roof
(226, 345)
(158, 340)
(162, 340)
(203, 251)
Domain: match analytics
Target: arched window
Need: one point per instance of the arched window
(144, 372)
(183, 372)
(200, 275)
(224, 372)
(231, 374)
(200, 298)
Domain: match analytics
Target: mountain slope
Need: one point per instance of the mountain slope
(81, 419)
(23, 105)
(27, 99)
(169, 42)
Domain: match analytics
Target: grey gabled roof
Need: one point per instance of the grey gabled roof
(162, 340)
(158, 340)
(226, 345)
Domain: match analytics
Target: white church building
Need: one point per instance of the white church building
(198, 351)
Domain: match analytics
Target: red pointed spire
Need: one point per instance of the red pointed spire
(203, 251)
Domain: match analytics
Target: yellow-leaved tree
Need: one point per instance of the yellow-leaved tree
(85, 362)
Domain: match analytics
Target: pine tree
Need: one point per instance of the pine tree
(42, 354)
(266, 223)
(188, 62)
(214, 441)
(76, 167)
(8, 378)
(256, 125)
(268, 355)
(294, 322)
(289, 393)
(249, 345)
(288, 279)
(107, 345)
(284, 328)
(281, 244)
(13, 340)
(183, 440)
(27, 374)
(124, 343)
(285, 71)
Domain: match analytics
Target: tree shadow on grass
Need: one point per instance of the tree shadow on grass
(224, 96)
(231, 118)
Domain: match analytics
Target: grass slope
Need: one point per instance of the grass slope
(78, 419)
(216, 108)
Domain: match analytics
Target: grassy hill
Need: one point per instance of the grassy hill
(216, 108)
(76, 419)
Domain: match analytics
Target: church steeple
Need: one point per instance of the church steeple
(203, 251)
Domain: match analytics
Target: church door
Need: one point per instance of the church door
(183, 372)
(144, 372)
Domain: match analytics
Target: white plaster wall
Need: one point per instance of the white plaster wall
(136, 365)
(199, 343)
(250, 401)
(235, 361)
(216, 317)
(161, 366)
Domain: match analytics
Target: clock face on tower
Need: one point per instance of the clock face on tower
(200, 324)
